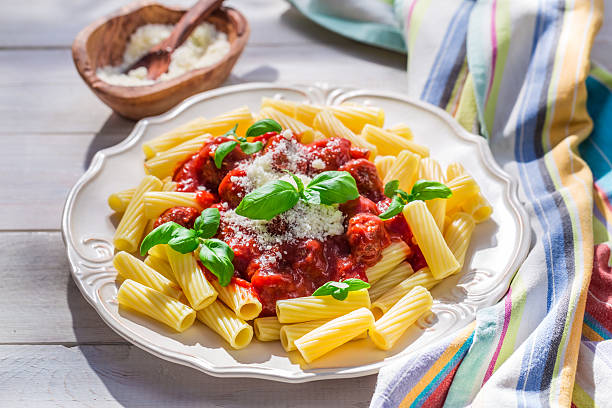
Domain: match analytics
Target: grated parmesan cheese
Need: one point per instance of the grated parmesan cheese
(204, 47)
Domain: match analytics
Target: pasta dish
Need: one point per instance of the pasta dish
(312, 225)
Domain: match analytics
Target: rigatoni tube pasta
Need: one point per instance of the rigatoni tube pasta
(156, 305)
(439, 257)
(390, 143)
(155, 203)
(164, 163)
(129, 231)
(334, 333)
(240, 299)
(226, 324)
(422, 277)
(190, 277)
(304, 133)
(391, 256)
(216, 126)
(267, 328)
(404, 169)
(162, 266)
(133, 268)
(388, 329)
(119, 201)
(391, 279)
(458, 234)
(330, 126)
(307, 308)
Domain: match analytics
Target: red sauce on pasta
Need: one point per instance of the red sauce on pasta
(294, 267)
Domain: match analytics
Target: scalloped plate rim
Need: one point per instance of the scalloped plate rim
(329, 94)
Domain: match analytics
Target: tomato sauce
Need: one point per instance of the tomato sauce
(299, 266)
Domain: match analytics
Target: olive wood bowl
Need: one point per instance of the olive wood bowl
(103, 43)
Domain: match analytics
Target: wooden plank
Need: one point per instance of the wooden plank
(124, 376)
(55, 99)
(34, 23)
(39, 169)
(40, 302)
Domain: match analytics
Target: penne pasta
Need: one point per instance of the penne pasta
(281, 105)
(133, 268)
(390, 143)
(383, 164)
(267, 328)
(155, 203)
(156, 305)
(197, 127)
(404, 169)
(391, 256)
(458, 234)
(226, 324)
(190, 277)
(439, 257)
(129, 231)
(403, 130)
(391, 279)
(389, 328)
(422, 277)
(308, 308)
(165, 163)
(119, 201)
(330, 126)
(429, 169)
(334, 333)
(162, 266)
(240, 299)
(304, 133)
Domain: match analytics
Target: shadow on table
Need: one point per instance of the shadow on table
(114, 130)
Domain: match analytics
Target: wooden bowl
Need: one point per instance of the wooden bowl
(103, 43)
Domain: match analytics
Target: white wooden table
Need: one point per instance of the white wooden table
(54, 349)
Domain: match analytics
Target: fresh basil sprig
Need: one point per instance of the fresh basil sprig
(247, 147)
(276, 197)
(215, 254)
(422, 190)
(340, 290)
(263, 126)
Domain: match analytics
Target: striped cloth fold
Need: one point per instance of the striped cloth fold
(518, 72)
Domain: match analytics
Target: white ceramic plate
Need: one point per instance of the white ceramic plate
(498, 247)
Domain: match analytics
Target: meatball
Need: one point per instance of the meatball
(357, 206)
(231, 188)
(333, 152)
(367, 237)
(365, 175)
(310, 261)
(184, 216)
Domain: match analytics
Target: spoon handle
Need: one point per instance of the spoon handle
(190, 20)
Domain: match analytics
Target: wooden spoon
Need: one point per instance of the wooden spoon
(157, 59)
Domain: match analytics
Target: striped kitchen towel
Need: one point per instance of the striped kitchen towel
(517, 72)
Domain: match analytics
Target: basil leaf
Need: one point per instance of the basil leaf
(223, 150)
(329, 288)
(334, 187)
(231, 132)
(396, 207)
(184, 240)
(391, 188)
(217, 257)
(356, 284)
(405, 196)
(263, 126)
(250, 148)
(268, 201)
(312, 197)
(241, 139)
(160, 235)
(207, 223)
(429, 190)
(298, 182)
(340, 293)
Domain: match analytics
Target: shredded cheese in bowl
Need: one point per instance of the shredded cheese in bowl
(204, 47)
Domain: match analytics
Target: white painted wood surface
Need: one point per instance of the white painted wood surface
(54, 349)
